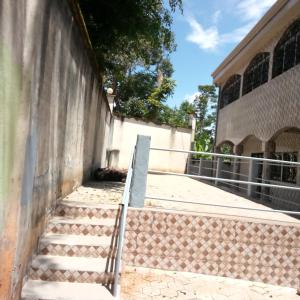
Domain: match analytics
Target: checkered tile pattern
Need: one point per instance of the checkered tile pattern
(81, 229)
(213, 246)
(75, 212)
(76, 250)
(70, 276)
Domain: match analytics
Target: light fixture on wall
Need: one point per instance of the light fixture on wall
(110, 97)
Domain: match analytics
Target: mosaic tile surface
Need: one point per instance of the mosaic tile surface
(214, 246)
(70, 276)
(76, 250)
(81, 229)
(75, 212)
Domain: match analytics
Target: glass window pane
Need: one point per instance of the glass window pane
(276, 168)
(289, 172)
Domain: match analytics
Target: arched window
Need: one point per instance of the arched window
(287, 51)
(256, 73)
(231, 90)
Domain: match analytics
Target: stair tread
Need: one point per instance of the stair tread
(38, 289)
(76, 240)
(85, 264)
(85, 204)
(83, 221)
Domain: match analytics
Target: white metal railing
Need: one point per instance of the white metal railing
(153, 197)
(287, 187)
(227, 155)
(122, 226)
(233, 182)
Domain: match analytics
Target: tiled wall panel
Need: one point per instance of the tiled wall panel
(211, 245)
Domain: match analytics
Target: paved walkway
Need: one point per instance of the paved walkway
(147, 284)
(184, 188)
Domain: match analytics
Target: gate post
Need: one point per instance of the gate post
(140, 171)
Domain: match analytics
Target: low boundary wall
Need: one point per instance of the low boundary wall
(125, 132)
(242, 249)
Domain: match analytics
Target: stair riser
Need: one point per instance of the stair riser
(74, 250)
(70, 276)
(82, 229)
(76, 212)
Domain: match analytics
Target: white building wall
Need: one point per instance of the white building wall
(125, 132)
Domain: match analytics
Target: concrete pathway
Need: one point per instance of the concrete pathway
(183, 188)
(152, 284)
(187, 189)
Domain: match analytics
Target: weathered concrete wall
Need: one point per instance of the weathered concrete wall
(51, 123)
(162, 136)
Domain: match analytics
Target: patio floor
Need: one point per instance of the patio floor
(152, 284)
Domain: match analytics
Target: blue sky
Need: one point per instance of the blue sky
(205, 34)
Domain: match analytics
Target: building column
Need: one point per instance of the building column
(237, 150)
(267, 148)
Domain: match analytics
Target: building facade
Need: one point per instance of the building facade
(259, 102)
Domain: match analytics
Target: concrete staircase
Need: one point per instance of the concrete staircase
(75, 256)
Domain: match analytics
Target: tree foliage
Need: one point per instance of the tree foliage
(132, 40)
(205, 109)
(126, 33)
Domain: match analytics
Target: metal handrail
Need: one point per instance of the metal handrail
(227, 155)
(122, 225)
(223, 206)
(227, 180)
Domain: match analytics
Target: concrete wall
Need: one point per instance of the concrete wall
(162, 136)
(53, 123)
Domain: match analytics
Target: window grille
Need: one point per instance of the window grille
(281, 172)
(256, 73)
(231, 90)
(287, 51)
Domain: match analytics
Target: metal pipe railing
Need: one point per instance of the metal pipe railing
(122, 226)
(223, 206)
(227, 155)
(227, 180)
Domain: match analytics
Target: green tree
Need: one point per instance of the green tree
(205, 109)
(127, 33)
(132, 40)
(179, 117)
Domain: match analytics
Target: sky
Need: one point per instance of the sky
(205, 34)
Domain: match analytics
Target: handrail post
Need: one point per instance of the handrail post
(200, 166)
(218, 169)
(122, 227)
(140, 171)
(250, 178)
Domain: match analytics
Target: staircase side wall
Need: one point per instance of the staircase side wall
(51, 123)
(238, 248)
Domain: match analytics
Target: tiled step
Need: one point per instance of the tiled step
(70, 269)
(77, 245)
(82, 226)
(46, 290)
(75, 209)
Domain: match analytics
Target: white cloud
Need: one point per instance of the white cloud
(205, 38)
(191, 98)
(237, 34)
(210, 38)
(253, 9)
(216, 16)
